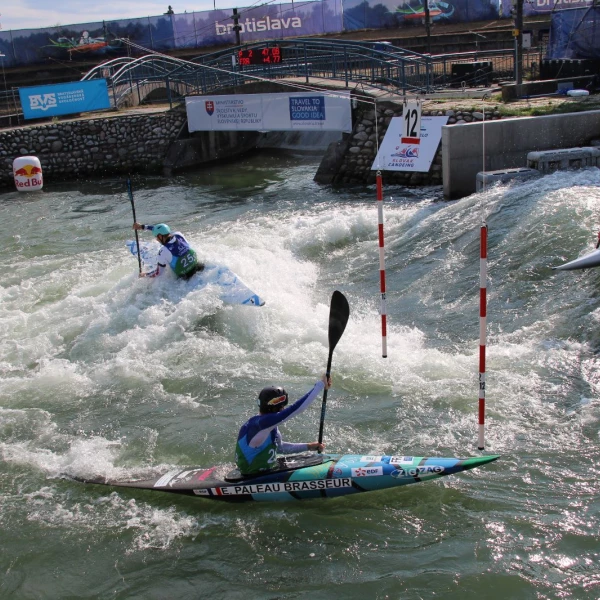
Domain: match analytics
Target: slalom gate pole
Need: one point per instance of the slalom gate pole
(482, 332)
(382, 266)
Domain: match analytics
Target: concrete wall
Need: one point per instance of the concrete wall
(207, 146)
(512, 91)
(507, 143)
(158, 142)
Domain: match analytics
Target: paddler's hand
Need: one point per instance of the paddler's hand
(138, 226)
(316, 446)
(326, 381)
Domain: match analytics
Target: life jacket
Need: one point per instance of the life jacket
(184, 261)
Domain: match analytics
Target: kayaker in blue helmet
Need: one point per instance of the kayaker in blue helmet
(259, 439)
(175, 252)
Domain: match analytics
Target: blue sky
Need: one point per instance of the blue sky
(31, 14)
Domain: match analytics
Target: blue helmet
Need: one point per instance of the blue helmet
(161, 229)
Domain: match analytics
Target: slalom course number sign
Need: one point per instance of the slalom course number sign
(397, 154)
(411, 129)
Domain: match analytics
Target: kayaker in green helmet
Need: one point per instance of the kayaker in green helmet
(175, 252)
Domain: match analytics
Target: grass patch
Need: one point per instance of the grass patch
(551, 105)
(524, 107)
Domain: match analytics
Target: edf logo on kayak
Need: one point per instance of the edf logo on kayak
(367, 472)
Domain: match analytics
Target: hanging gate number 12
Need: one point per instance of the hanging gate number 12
(411, 127)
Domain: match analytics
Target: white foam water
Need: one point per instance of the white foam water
(103, 373)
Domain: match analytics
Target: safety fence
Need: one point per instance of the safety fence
(302, 62)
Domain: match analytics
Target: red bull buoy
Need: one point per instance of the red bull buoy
(27, 171)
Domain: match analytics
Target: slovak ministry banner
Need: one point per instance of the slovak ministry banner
(307, 111)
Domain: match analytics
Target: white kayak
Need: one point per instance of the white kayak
(586, 261)
(231, 288)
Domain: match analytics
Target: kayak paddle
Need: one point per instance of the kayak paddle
(137, 239)
(339, 312)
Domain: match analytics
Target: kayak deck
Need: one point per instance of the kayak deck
(330, 476)
(587, 261)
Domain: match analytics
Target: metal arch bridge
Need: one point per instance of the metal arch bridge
(373, 64)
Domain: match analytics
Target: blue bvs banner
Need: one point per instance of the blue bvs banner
(64, 98)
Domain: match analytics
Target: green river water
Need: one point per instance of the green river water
(102, 373)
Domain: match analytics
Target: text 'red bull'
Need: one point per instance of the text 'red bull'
(28, 177)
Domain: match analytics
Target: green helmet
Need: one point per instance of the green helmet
(161, 229)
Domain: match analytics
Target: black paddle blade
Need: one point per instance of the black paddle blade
(338, 318)
(339, 312)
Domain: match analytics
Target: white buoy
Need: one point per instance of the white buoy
(575, 93)
(27, 171)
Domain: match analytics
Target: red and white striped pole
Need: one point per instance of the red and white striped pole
(381, 266)
(482, 332)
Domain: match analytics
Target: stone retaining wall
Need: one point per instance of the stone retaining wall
(128, 143)
(111, 144)
(354, 164)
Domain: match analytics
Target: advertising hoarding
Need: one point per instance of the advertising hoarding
(64, 98)
(310, 111)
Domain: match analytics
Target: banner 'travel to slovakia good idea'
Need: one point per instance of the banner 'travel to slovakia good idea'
(394, 155)
(310, 111)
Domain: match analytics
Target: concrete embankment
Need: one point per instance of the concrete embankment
(505, 145)
(151, 140)
(157, 141)
(470, 140)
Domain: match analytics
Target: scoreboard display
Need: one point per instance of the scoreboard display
(260, 56)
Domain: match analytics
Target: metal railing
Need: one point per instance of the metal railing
(393, 69)
(11, 111)
(304, 62)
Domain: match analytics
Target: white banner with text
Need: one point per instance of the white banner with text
(309, 111)
(396, 154)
